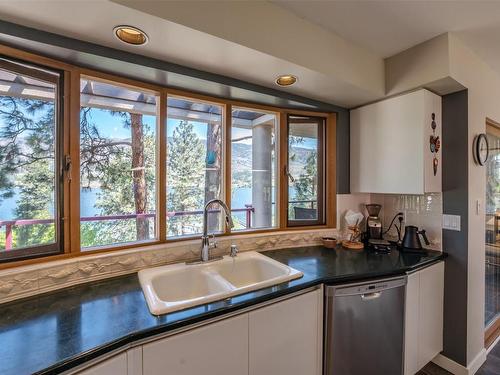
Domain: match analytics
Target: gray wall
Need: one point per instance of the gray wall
(343, 154)
(455, 202)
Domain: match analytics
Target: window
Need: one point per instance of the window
(117, 164)
(146, 160)
(253, 169)
(305, 170)
(194, 165)
(30, 192)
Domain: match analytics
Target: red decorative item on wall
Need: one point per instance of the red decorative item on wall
(434, 144)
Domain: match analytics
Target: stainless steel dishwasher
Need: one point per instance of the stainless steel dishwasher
(365, 328)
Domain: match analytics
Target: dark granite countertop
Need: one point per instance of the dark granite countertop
(53, 332)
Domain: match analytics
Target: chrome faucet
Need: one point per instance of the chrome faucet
(206, 245)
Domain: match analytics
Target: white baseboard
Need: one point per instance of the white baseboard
(456, 368)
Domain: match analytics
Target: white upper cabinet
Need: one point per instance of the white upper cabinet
(391, 149)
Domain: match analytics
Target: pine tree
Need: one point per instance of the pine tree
(27, 164)
(126, 182)
(306, 184)
(186, 178)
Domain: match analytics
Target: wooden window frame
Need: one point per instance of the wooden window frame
(71, 138)
(160, 164)
(57, 78)
(229, 125)
(225, 192)
(321, 200)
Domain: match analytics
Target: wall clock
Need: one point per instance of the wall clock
(481, 149)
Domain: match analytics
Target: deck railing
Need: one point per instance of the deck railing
(9, 224)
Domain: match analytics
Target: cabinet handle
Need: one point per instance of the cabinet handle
(370, 296)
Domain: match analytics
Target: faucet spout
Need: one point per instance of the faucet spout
(205, 242)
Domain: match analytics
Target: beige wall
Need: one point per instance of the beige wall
(425, 63)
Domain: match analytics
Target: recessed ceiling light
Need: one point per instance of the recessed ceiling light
(130, 35)
(286, 80)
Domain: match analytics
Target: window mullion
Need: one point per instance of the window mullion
(226, 156)
(283, 161)
(74, 152)
(161, 206)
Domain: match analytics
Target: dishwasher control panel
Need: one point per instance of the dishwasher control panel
(375, 287)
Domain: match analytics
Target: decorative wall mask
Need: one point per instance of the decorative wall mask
(434, 144)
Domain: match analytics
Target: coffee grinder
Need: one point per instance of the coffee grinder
(373, 223)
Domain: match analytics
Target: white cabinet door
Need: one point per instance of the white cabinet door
(216, 349)
(389, 145)
(424, 317)
(115, 366)
(285, 338)
(411, 359)
(431, 313)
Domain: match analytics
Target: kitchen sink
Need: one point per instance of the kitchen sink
(180, 286)
(252, 269)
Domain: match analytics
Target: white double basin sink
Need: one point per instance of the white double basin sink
(180, 286)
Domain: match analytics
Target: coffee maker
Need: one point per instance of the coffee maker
(373, 223)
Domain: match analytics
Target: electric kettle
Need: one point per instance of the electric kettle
(411, 238)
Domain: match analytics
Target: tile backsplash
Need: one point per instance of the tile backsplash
(423, 211)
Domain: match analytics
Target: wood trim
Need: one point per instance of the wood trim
(22, 69)
(28, 262)
(66, 123)
(161, 167)
(118, 246)
(492, 127)
(34, 58)
(323, 166)
(491, 333)
(282, 168)
(227, 122)
(74, 152)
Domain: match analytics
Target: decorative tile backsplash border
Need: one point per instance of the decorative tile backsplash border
(30, 280)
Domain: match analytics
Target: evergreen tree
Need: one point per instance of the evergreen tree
(306, 184)
(120, 168)
(27, 130)
(186, 178)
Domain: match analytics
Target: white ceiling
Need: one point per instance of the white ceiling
(382, 27)
(93, 21)
(389, 27)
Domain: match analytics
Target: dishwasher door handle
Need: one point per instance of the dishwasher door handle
(370, 296)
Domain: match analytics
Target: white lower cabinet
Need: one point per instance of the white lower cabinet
(424, 317)
(282, 338)
(285, 338)
(116, 365)
(214, 349)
